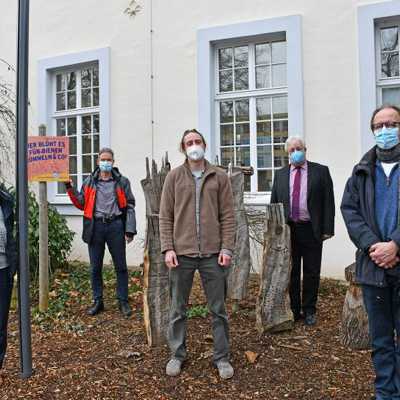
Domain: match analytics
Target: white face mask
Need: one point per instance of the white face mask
(195, 152)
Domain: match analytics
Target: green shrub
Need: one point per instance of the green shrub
(60, 237)
(197, 311)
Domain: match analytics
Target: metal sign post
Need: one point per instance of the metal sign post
(22, 188)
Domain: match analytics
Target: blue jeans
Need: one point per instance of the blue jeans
(6, 285)
(383, 308)
(113, 234)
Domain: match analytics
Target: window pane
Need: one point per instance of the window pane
(225, 58)
(264, 181)
(241, 79)
(94, 160)
(96, 123)
(60, 101)
(264, 157)
(60, 127)
(71, 79)
(72, 126)
(61, 188)
(227, 156)
(86, 124)
(96, 143)
(279, 107)
(95, 77)
(86, 144)
(86, 98)
(95, 97)
(391, 96)
(73, 165)
(241, 56)
(86, 164)
(242, 110)
(280, 131)
(280, 157)
(243, 156)
(389, 39)
(279, 75)
(74, 180)
(86, 78)
(264, 132)
(243, 134)
(278, 52)
(263, 77)
(71, 100)
(390, 65)
(263, 53)
(72, 145)
(263, 108)
(60, 83)
(227, 135)
(247, 183)
(226, 111)
(226, 81)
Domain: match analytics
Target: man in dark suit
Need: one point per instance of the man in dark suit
(306, 191)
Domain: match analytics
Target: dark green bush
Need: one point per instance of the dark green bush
(60, 237)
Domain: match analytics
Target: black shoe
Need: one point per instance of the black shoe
(97, 307)
(310, 319)
(297, 316)
(125, 309)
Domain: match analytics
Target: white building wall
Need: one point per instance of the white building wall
(330, 71)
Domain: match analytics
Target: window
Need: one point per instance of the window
(77, 115)
(251, 100)
(388, 71)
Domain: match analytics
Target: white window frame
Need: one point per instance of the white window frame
(47, 68)
(254, 31)
(251, 94)
(370, 18)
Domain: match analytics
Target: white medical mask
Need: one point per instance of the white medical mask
(195, 152)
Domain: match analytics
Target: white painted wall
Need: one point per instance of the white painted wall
(330, 70)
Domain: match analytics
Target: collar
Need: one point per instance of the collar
(304, 167)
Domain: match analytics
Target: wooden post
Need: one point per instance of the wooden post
(273, 313)
(241, 263)
(156, 285)
(43, 241)
(354, 331)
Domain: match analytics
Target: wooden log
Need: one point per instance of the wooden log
(354, 330)
(241, 262)
(155, 273)
(273, 313)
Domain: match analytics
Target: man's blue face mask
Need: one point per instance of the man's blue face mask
(297, 157)
(387, 138)
(105, 166)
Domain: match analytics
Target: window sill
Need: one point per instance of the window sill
(257, 198)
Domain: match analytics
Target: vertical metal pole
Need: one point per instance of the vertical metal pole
(43, 241)
(22, 188)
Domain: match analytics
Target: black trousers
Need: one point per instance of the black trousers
(6, 285)
(306, 250)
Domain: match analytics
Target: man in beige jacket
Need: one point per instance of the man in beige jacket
(197, 231)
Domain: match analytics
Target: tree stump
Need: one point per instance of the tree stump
(241, 262)
(155, 273)
(273, 313)
(354, 330)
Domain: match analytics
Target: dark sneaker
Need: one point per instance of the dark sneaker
(173, 367)
(125, 309)
(225, 369)
(97, 307)
(310, 319)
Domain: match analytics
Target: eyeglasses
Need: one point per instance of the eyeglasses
(387, 124)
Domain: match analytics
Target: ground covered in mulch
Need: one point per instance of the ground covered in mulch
(106, 357)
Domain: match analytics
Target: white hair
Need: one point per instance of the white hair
(292, 139)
